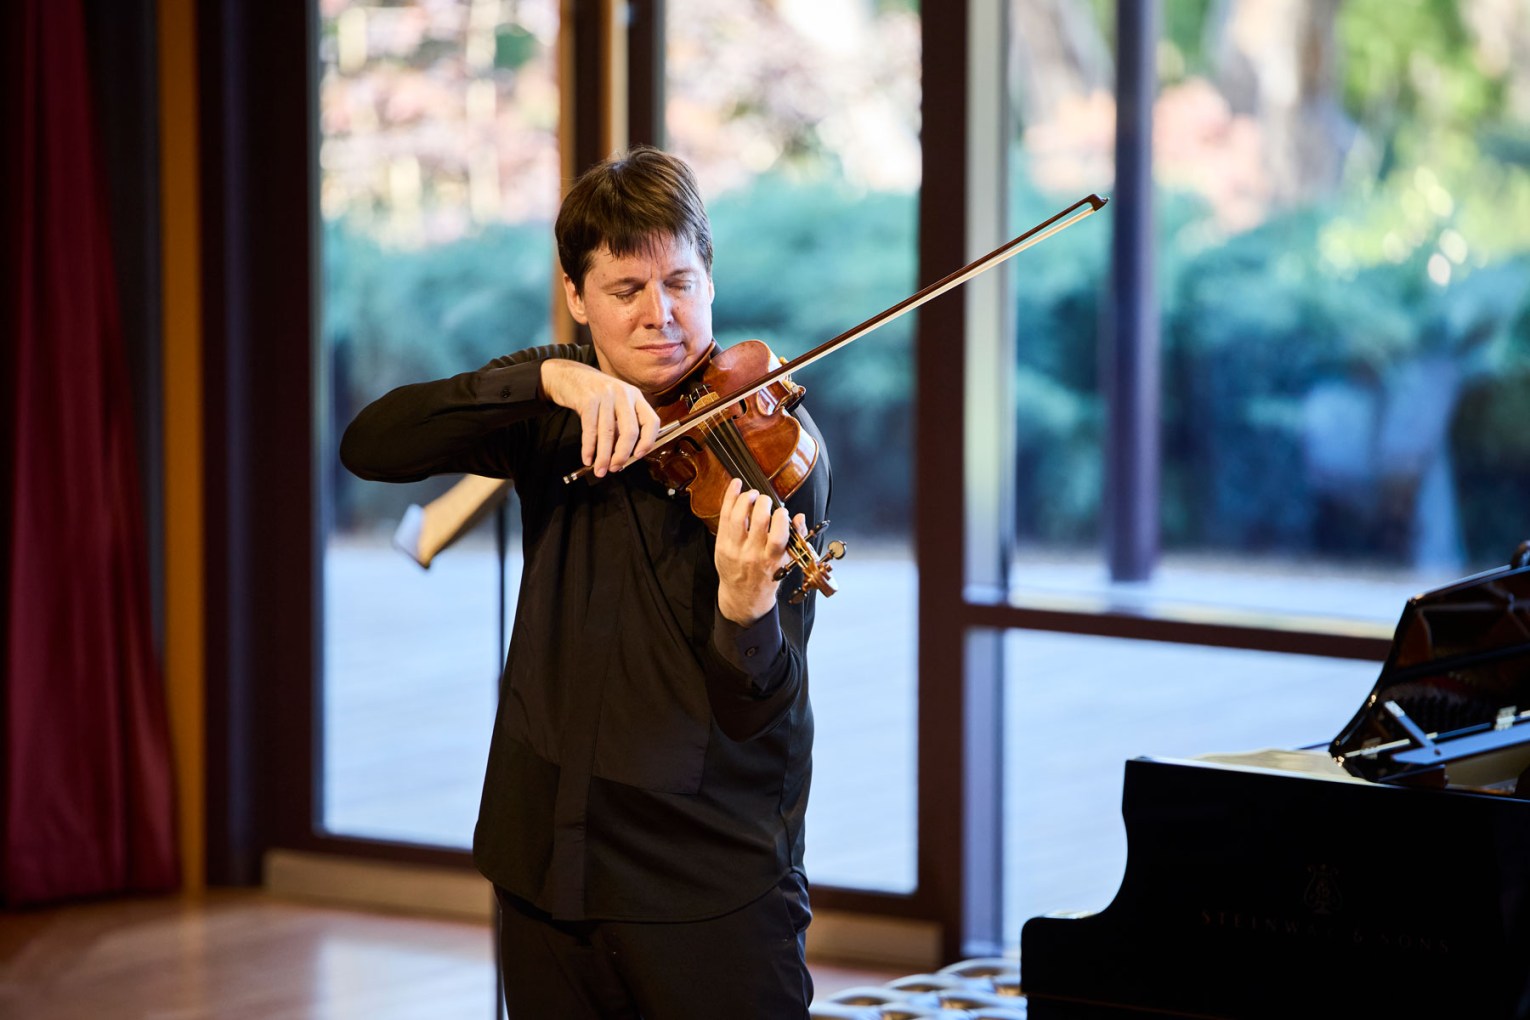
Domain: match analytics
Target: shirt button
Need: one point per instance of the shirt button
(749, 652)
(504, 393)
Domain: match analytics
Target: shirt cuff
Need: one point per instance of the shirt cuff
(751, 650)
(510, 384)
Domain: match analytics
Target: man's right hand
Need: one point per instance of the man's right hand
(618, 424)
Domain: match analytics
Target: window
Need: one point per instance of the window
(439, 173)
(1341, 307)
(1299, 302)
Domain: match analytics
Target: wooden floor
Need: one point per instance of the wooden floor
(236, 955)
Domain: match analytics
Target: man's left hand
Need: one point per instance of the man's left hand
(751, 548)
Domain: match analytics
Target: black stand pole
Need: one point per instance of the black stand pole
(501, 549)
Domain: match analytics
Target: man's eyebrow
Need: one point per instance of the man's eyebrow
(641, 279)
(627, 281)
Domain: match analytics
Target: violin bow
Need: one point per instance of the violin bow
(1083, 208)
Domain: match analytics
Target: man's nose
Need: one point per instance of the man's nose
(656, 306)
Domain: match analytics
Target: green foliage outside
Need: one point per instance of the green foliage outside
(1254, 333)
(1304, 362)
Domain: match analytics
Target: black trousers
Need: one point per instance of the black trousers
(746, 965)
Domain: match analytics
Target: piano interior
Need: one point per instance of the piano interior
(1452, 704)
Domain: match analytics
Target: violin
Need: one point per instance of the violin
(748, 432)
(755, 439)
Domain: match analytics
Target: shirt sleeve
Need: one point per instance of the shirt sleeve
(753, 650)
(452, 425)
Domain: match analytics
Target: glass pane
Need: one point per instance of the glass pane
(1078, 707)
(438, 185)
(801, 120)
(1061, 79)
(1345, 302)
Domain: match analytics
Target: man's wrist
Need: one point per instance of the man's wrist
(741, 615)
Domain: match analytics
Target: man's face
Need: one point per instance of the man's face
(649, 313)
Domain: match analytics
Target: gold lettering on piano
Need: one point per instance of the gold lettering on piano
(1324, 902)
(1252, 923)
(1322, 923)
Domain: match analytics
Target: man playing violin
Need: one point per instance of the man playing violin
(643, 803)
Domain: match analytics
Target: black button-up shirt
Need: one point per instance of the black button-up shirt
(650, 758)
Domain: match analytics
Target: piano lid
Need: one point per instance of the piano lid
(1457, 675)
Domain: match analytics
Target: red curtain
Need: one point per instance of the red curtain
(87, 795)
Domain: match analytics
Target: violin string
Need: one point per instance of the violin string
(727, 443)
(729, 434)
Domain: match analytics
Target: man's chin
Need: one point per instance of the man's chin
(661, 389)
(666, 377)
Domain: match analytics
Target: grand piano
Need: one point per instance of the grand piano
(1384, 874)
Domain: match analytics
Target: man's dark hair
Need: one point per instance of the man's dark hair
(626, 202)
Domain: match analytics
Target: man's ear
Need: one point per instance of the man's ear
(575, 301)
